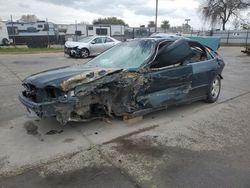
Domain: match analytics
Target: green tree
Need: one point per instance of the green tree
(151, 24)
(29, 18)
(109, 20)
(220, 11)
(165, 25)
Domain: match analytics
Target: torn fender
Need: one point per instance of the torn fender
(86, 77)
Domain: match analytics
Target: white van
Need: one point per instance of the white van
(4, 37)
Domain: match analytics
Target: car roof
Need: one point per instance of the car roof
(168, 38)
(101, 36)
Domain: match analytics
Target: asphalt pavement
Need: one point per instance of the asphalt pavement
(195, 145)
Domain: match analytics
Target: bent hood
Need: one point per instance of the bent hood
(71, 44)
(67, 77)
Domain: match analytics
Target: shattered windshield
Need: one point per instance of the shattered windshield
(125, 55)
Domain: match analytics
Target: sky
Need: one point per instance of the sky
(133, 12)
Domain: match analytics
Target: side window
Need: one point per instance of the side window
(99, 40)
(209, 55)
(101, 31)
(172, 53)
(200, 54)
(109, 39)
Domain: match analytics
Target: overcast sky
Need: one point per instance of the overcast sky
(133, 12)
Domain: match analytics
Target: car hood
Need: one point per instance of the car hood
(72, 44)
(67, 77)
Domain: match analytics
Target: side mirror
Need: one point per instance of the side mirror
(92, 42)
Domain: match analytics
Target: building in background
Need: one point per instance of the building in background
(76, 31)
(33, 34)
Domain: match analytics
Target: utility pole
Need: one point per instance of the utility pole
(187, 20)
(76, 29)
(186, 28)
(13, 31)
(48, 32)
(156, 14)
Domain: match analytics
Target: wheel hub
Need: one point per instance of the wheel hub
(215, 88)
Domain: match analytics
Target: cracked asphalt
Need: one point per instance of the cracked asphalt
(195, 145)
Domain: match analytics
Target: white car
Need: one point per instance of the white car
(89, 46)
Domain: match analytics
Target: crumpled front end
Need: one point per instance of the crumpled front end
(84, 97)
(46, 102)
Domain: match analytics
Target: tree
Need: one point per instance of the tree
(165, 25)
(151, 24)
(29, 18)
(186, 27)
(236, 23)
(109, 20)
(220, 11)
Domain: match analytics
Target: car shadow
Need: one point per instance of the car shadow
(50, 127)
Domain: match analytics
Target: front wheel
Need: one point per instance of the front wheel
(214, 90)
(85, 53)
(5, 42)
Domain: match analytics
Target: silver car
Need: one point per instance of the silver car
(89, 46)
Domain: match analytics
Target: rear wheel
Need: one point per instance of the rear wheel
(84, 53)
(214, 90)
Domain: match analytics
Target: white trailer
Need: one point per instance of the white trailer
(75, 32)
(4, 37)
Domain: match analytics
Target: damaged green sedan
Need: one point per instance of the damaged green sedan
(131, 79)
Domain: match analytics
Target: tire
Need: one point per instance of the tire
(5, 42)
(214, 90)
(70, 55)
(84, 53)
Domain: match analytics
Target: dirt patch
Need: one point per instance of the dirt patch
(131, 134)
(31, 128)
(142, 146)
(187, 168)
(89, 177)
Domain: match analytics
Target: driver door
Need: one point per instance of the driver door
(97, 45)
(169, 77)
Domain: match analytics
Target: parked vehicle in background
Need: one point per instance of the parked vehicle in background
(4, 37)
(33, 34)
(131, 79)
(89, 46)
(246, 51)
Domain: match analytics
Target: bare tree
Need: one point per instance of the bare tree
(151, 24)
(236, 23)
(220, 11)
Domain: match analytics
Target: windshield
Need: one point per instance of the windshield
(86, 39)
(125, 55)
